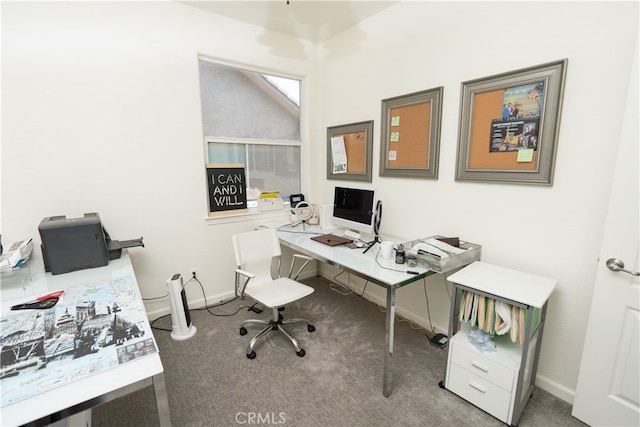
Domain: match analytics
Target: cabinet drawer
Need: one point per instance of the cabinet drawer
(483, 366)
(480, 392)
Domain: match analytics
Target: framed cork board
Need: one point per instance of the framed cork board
(349, 151)
(411, 134)
(509, 125)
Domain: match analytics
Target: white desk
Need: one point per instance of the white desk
(78, 396)
(363, 265)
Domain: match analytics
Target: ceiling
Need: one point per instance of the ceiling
(312, 20)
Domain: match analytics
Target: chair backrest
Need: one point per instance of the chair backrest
(255, 250)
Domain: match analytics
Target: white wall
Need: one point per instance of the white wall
(552, 231)
(101, 113)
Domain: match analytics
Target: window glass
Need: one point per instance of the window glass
(253, 119)
(270, 167)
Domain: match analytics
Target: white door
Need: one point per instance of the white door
(608, 390)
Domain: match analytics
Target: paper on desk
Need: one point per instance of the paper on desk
(18, 253)
(338, 155)
(445, 246)
(430, 249)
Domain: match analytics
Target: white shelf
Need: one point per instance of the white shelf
(509, 284)
(507, 353)
(498, 382)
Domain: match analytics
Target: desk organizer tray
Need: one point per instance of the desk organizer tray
(470, 253)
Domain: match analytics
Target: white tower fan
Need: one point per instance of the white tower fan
(182, 329)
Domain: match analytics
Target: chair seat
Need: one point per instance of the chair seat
(279, 292)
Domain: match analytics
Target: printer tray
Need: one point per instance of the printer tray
(115, 246)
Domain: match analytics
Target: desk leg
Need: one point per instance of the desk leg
(162, 402)
(388, 341)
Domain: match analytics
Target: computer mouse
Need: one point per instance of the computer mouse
(358, 243)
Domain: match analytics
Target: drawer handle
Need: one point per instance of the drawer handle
(477, 387)
(479, 366)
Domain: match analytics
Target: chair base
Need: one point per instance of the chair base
(275, 324)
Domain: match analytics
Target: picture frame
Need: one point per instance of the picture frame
(509, 125)
(410, 134)
(349, 151)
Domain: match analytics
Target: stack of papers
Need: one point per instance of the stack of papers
(270, 201)
(17, 254)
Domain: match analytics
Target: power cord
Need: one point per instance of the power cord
(433, 337)
(342, 285)
(205, 307)
(218, 304)
(157, 327)
(437, 339)
(155, 298)
(387, 268)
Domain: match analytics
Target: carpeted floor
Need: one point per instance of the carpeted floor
(210, 381)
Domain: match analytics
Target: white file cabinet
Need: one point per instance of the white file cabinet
(498, 382)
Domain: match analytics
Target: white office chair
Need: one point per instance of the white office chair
(255, 252)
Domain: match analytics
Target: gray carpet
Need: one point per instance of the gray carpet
(210, 381)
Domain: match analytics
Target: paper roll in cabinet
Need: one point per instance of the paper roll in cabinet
(501, 381)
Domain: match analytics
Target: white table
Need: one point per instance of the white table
(368, 266)
(102, 387)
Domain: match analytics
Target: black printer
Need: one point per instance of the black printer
(70, 244)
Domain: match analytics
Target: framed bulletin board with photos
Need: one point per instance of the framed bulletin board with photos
(349, 151)
(509, 125)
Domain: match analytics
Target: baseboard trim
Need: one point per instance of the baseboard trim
(194, 304)
(558, 390)
(199, 303)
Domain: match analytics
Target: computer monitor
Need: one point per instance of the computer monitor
(354, 209)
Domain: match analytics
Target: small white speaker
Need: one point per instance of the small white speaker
(326, 212)
(181, 327)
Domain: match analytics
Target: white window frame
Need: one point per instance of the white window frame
(252, 212)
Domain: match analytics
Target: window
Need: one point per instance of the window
(253, 118)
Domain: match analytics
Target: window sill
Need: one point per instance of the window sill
(252, 214)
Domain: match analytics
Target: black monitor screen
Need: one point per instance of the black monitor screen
(353, 204)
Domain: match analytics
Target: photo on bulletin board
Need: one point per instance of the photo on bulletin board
(509, 125)
(410, 134)
(349, 151)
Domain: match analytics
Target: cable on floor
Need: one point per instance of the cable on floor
(155, 298)
(398, 319)
(342, 285)
(205, 307)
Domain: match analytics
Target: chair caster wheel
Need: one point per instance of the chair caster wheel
(243, 331)
(311, 328)
(300, 353)
(251, 355)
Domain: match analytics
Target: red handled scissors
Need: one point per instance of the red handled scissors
(40, 303)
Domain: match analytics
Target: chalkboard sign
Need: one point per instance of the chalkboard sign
(227, 187)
